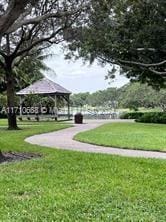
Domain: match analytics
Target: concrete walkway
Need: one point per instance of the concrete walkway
(63, 139)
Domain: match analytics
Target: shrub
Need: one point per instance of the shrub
(156, 117)
(3, 116)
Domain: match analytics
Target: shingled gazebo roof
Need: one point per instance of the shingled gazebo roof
(43, 87)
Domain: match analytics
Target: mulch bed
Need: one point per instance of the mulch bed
(7, 157)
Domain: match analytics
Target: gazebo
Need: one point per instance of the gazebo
(46, 87)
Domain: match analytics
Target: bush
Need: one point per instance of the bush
(3, 116)
(156, 117)
(133, 115)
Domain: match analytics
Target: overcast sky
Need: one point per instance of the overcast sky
(78, 77)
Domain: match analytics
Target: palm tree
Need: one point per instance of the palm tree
(29, 70)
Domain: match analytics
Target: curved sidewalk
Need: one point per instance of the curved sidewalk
(63, 139)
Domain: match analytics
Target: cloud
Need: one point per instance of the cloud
(79, 77)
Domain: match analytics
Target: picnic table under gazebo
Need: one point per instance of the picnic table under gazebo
(46, 87)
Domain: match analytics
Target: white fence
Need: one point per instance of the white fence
(91, 113)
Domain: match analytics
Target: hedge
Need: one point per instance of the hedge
(157, 117)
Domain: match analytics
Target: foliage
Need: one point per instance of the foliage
(36, 27)
(80, 99)
(133, 96)
(30, 70)
(99, 98)
(146, 117)
(152, 118)
(37, 101)
(130, 34)
(103, 97)
(57, 188)
(137, 95)
(127, 135)
(3, 100)
(3, 116)
(2, 104)
(40, 100)
(10, 11)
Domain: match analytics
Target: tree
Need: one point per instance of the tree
(137, 95)
(29, 70)
(132, 95)
(79, 99)
(103, 97)
(14, 9)
(41, 24)
(130, 34)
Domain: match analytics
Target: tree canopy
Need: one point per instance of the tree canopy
(132, 95)
(34, 27)
(11, 11)
(131, 34)
(30, 70)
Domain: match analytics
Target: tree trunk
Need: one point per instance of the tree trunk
(12, 120)
(1, 155)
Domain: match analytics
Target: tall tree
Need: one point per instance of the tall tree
(42, 24)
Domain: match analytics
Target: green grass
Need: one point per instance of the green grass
(127, 135)
(72, 186)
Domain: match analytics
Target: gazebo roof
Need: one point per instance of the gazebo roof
(44, 86)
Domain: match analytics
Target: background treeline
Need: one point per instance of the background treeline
(132, 96)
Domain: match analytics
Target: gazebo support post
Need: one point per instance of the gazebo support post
(67, 99)
(68, 106)
(55, 108)
(21, 102)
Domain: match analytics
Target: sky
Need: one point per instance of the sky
(79, 77)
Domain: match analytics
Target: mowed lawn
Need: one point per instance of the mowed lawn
(127, 135)
(72, 186)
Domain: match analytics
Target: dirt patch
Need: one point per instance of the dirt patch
(7, 157)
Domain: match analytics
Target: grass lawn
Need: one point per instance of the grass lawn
(127, 135)
(72, 186)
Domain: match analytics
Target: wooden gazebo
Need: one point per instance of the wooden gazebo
(46, 87)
